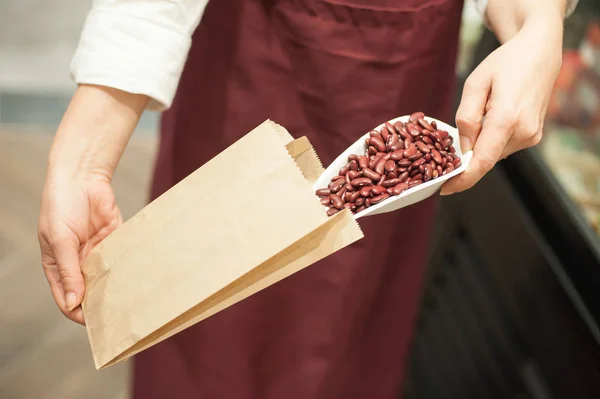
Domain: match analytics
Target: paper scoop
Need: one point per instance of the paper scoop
(410, 196)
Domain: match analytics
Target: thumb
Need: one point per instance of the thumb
(472, 108)
(66, 252)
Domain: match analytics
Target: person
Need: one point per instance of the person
(327, 69)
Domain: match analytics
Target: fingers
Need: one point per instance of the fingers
(66, 252)
(472, 108)
(489, 148)
(60, 258)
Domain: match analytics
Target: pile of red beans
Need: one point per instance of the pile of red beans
(397, 158)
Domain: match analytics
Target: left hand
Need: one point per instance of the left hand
(511, 88)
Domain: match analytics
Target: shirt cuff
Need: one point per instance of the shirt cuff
(131, 54)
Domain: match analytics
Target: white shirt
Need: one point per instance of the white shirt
(140, 46)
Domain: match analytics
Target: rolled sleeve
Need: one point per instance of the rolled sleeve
(481, 6)
(139, 48)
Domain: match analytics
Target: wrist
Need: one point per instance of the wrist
(94, 133)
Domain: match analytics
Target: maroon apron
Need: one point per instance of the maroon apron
(330, 70)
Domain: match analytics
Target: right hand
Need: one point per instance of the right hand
(78, 204)
(75, 216)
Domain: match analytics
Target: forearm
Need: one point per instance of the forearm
(94, 132)
(507, 17)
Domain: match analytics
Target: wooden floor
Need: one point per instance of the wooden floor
(42, 354)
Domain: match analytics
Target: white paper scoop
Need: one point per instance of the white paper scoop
(410, 196)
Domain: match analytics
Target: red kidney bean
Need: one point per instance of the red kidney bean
(325, 201)
(425, 124)
(434, 124)
(438, 146)
(410, 150)
(392, 139)
(414, 172)
(427, 140)
(365, 191)
(435, 174)
(371, 174)
(383, 178)
(363, 161)
(373, 162)
(392, 175)
(447, 142)
(457, 163)
(397, 155)
(345, 169)
(354, 174)
(402, 169)
(360, 201)
(428, 157)
(444, 162)
(422, 147)
(360, 209)
(402, 178)
(407, 142)
(352, 157)
(422, 168)
(349, 205)
(361, 182)
(399, 188)
(397, 146)
(323, 192)
(349, 187)
(380, 167)
(390, 128)
(442, 134)
(404, 163)
(404, 133)
(375, 133)
(353, 196)
(384, 134)
(452, 149)
(378, 143)
(336, 201)
(416, 116)
(418, 162)
(428, 173)
(391, 182)
(372, 150)
(337, 185)
(390, 166)
(368, 202)
(386, 157)
(417, 155)
(341, 193)
(436, 157)
(377, 190)
(398, 125)
(332, 211)
(439, 169)
(435, 136)
(353, 165)
(450, 167)
(412, 130)
(380, 198)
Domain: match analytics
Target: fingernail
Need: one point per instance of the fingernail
(71, 299)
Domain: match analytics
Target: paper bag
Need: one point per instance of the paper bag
(243, 221)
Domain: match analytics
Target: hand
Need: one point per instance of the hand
(78, 204)
(511, 88)
(75, 216)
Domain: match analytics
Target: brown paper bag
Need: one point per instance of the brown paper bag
(243, 221)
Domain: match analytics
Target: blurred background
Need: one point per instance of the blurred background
(510, 308)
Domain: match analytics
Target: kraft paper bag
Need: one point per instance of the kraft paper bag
(240, 223)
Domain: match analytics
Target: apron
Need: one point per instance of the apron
(331, 70)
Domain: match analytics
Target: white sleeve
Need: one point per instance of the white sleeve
(481, 6)
(138, 46)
